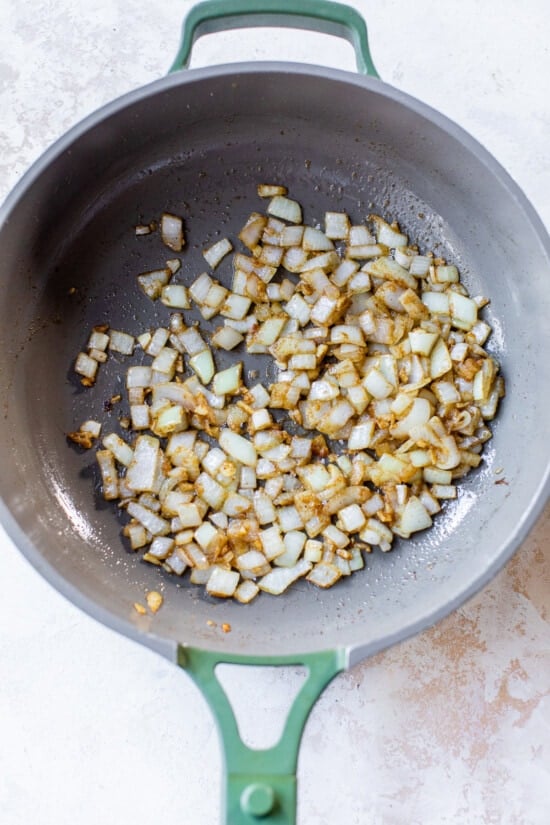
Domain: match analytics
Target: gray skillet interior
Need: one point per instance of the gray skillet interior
(197, 144)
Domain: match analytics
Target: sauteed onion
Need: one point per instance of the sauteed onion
(380, 405)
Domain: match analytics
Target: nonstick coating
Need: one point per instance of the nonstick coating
(197, 144)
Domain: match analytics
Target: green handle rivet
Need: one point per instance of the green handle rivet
(257, 799)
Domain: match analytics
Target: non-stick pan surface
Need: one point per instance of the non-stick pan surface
(198, 144)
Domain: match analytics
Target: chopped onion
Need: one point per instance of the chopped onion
(270, 190)
(171, 230)
(371, 344)
(203, 365)
(222, 583)
(238, 448)
(215, 253)
(281, 578)
(151, 283)
(283, 207)
(175, 296)
(324, 575)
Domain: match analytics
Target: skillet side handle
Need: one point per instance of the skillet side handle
(261, 784)
(322, 16)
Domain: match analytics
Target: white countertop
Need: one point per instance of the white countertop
(452, 726)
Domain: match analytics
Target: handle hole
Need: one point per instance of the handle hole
(261, 698)
(274, 44)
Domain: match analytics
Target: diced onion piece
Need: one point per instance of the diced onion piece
(347, 334)
(291, 236)
(86, 366)
(422, 342)
(203, 365)
(445, 274)
(440, 360)
(192, 341)
(165, 361)
(246, 591)
(238, 448)
(235, 307)
(151, 283)
(271, 190)
(420, 265)
(316, 241)
(444, 491)
(337, 225)
(157, 341)
(324, 574)
(463, 310)
(226, 338)
(260, 420)
(98, 340)
(433, 475)
(156, 525)
(215, 253)
(83, 439)
(144, 339)
(386, 234)
(343, 273)
(294, 259)
(390, 270)
(313, 550)
(253, 562)
(210, 491)
(283, 207)
(236, 505)
(92, 427)
(252, 231)
(294, 542)
(222, 583)
(437, 302)
(281, 578)
(137, 535)
(417, 416)
(171, 231)
(414, 517)
(98, 355)
(138, 377)
(227, 382)
(170, 420)
(173, 264)
(336, 536)
(272, 542)
(325, 260)
(200, 288)
(144, 466)
(376, 384)
(109, 478)
(215, 297)
(161, 547)
(361, 436)
(119, 448)
(206, 536)
(267, 333)
(175, 296)
(362, 252)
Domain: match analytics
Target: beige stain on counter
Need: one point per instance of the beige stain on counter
(460, 700)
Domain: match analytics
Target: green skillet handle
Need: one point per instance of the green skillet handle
(261, 784)
(314, 15)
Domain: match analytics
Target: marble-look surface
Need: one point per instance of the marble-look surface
(449, 728)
